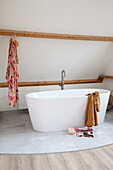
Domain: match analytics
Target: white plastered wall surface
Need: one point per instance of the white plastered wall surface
(108, 83)
(43, 59)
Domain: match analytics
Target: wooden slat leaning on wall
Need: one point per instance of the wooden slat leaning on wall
(47, 83)
(54, 35)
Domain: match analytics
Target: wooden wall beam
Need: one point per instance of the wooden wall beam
(47, 83)
(105, 77)
(54, 35)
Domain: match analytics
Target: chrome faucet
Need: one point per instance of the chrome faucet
(63, 74)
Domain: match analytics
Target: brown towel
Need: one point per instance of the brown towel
(93, 106)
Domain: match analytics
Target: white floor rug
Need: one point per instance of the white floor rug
(18, 137)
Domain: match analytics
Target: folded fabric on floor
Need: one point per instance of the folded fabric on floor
(84, 132)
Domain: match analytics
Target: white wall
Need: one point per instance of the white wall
(43, 59)
(108, 83)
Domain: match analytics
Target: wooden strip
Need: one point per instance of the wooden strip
(54, 35)
(47, 83)
(106, 77)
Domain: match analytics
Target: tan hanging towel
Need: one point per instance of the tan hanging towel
(93, 106)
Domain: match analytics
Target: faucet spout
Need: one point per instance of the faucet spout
(63, 74)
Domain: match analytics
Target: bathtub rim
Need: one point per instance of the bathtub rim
(29, 95)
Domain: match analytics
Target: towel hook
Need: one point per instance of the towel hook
(14, 36)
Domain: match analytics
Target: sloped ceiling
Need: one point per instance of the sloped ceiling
(43, 59)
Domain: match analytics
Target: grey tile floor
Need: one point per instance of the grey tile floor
(18, 137)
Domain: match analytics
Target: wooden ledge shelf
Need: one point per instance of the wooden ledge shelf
(54, 35)
(105, 77)
(47, 83)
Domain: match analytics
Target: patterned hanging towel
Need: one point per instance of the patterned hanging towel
(12, 73)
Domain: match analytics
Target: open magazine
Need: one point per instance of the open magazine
(84, 132)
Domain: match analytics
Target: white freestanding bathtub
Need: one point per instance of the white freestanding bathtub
(61, 109)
